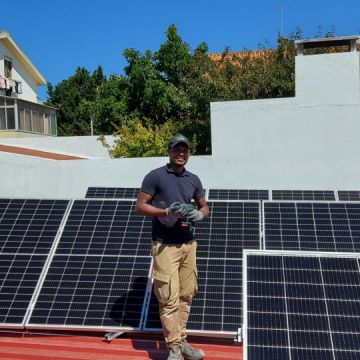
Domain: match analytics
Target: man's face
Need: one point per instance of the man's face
(179, 155)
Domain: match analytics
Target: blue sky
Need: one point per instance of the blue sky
(60, 35)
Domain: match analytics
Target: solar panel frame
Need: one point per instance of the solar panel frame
(28, 265)
(85, 222)
(333, 240)
(305, 195)
(75, 301)
(283, 349)
(92, 206)
(237, 194)
(112, 192)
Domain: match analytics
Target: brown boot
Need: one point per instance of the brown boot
(175, 352)
(189, 353)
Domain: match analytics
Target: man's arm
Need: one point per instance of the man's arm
(202, 206)
(144, 207)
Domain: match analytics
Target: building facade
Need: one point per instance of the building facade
(21, 112)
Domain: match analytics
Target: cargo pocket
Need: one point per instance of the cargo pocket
(162, 286)
(155, 247)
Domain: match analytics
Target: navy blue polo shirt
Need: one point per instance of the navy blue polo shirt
(166, 187)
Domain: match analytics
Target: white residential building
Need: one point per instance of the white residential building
(21, 113)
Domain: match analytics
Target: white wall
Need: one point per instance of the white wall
(282, 145)
(292, 143)
(328, 78)
(310, 141)
(29, 87)
(34, 177)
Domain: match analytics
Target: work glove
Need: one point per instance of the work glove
(179, 209)
(195, 215)
(183, 209)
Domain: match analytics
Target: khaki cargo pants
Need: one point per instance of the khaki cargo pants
(175, 284)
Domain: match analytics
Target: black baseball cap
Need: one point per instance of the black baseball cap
(177, 139)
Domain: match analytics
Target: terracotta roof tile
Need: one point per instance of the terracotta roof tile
(37, 153)
(239, 54)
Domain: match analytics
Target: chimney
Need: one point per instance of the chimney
(328, 78)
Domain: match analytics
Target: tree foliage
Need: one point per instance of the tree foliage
(138, 138)
(168, 91)
(71, 97)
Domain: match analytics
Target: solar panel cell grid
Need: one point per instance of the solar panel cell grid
(105, 227)
(346, 195)
(309, 309)
(19, 275)
(231, 227)
(112, 193)
(312, 226)
(217, 306)
(93, 291)
(312, 195)
(237, 194)
(221, 238)
(29, 226)
(99, 274)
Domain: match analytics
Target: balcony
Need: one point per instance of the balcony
(26, 117)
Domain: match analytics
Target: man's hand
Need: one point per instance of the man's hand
(171, 210)
(195, 215)
(184, 209)
(179, 209)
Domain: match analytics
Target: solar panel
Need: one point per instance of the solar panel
(230, 228)
(217, 307)
(112, 193)
(19, 275)
(237, 194)
(301, 306)
(105, 227)
(98, 277)
(346, 195)
(29, 225)
(313, 195)
(28, 229)
(318, 226)
(93, 292)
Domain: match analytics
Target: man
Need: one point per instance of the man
(166, 194)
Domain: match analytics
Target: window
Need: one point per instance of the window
(28, 125)
(10, 118)
(2, 119)
(7, 67)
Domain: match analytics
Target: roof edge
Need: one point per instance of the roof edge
(24, 60)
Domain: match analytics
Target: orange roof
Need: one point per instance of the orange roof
(24, 345)
(36, 153)
(239, 54)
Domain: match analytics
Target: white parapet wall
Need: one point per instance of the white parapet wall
(328, 78)
(282, 144)
(310, 141)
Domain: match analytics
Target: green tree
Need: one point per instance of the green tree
(139, 138)
(109, 108)
(70, 97)
(170, 90)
